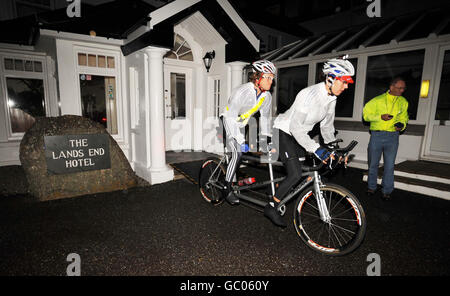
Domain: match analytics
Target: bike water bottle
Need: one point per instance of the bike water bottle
(246, 181)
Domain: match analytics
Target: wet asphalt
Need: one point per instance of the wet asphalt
(169, 230)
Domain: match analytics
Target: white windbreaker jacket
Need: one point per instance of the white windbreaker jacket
(311, 105)
(242, 104)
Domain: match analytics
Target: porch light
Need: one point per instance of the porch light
(207, 59)
(424, 88)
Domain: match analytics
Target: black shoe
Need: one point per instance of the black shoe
(274, 216)
(232, 199)
(370, 192)
(386, 197)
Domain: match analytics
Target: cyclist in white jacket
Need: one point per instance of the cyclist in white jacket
(312, 105)
(243, 103)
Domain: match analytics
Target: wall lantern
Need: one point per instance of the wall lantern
(424, 88)
(207, 59)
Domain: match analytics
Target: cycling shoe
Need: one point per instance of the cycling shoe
(271, 212)
(232, 199)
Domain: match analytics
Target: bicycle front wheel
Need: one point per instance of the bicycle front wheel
(340, 235)
(211, 180)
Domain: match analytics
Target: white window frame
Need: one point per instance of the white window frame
(4, 74)
(214, 106)
(134, 96)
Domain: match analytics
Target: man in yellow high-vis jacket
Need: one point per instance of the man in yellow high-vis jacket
(388, 116)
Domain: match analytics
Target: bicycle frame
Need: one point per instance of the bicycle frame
(314, 215)
(311, 177)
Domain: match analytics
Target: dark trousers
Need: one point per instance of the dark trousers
(292, 156)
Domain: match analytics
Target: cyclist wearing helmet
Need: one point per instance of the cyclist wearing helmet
(312, 105)
(244, 102)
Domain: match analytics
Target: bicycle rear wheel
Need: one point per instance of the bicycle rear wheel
(343, 233)
(211, 180)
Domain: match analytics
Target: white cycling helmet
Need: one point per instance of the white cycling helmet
(339, 68)
(264, 66)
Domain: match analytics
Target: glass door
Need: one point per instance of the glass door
(98, 100)
(438, 129)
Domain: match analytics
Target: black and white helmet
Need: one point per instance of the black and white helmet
(264, 66)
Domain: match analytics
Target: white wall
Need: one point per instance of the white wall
(69, 87)
(409, 147)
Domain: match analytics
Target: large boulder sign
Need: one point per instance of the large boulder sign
(69, 156)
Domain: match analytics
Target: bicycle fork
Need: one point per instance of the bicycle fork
(321, 204)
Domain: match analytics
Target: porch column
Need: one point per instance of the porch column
(236, 73)
(159, 171)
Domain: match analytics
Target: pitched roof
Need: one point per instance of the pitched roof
(114, 19)
(118, 19)
(422, 25)
(238, 46)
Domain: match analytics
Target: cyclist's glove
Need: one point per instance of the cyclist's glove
(322, 153)
(244, 148)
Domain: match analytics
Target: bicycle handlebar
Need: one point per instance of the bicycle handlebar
(339, 152)
(336, 151)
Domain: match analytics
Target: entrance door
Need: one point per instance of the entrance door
(178, 109)
(98, 100)
(438, 129)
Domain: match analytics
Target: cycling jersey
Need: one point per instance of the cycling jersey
(311, 105)
(242, 105)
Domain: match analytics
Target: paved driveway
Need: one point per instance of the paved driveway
(168, 229)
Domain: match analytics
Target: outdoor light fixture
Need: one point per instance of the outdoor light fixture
(207, 59)
(424, 88)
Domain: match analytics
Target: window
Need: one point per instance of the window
(24, 94)
(134, 96)
(93, 60)
(26, 101)
(22, 65)
(216, 97)
(382, 68)
(178, 95)
(290, 82)
(443, 105)
(345, 101)
(181, 50)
